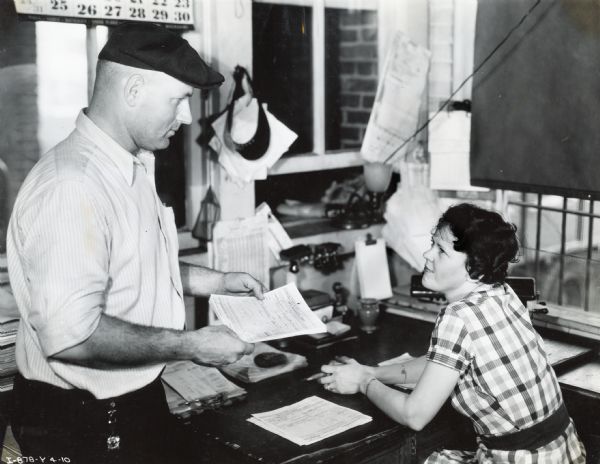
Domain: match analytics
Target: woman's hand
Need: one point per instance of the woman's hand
(240, 283)
(346, 375)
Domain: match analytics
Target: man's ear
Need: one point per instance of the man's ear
(133, 89)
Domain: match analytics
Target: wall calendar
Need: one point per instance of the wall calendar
(172, 13)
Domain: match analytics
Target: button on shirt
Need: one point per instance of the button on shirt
(89, 236)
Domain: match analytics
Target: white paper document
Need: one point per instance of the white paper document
(560, 351)
(373, 269)
(403, 358)
(410, 214)
(283, 313)
(395, 112)
(449, 148)
(278, 238)
(241, 245)
(309, 420)
(586, 377)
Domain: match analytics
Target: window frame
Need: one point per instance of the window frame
(321, 159)
(564, 247)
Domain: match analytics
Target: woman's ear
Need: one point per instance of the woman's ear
(471, 278)
(133, 89)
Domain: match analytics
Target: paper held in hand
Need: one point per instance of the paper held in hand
(283, 313)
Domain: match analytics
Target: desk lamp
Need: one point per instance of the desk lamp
(377, 179)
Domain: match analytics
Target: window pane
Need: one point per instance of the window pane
(282, 66)
(309, 187)
(571, 280)
(350, 75)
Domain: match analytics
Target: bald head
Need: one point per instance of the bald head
(108, 75)
(112, 79)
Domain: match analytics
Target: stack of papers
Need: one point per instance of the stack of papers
(191, 388)
(309, 420)
(8, 365)
(283, 313)
(246, 370)
(8, 332)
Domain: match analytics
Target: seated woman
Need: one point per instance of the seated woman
(484, 354)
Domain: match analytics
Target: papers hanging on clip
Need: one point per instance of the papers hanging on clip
(372, 267)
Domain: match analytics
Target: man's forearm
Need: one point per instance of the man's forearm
(200, 281)
(119, 343)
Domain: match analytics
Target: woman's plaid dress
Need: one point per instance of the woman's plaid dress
(506, 383)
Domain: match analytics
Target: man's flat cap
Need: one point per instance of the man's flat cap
(149, 46)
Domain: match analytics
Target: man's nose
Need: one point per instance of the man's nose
(184, 113)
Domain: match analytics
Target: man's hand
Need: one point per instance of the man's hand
(240, 283)
(218, 345)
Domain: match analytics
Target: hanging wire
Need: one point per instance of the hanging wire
(469, 77)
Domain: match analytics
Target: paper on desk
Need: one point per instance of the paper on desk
(373, 270)
(557, 351)
(310, 420)
(586, 377)
(283, 313)
(404, 357)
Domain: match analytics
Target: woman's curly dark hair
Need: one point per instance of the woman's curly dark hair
(489, 242)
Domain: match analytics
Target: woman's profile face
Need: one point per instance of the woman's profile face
(445, 268)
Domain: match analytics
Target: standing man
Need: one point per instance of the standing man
(93, 263)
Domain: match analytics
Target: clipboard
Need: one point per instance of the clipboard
(373, 270)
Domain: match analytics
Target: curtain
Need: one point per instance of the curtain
(536, 102)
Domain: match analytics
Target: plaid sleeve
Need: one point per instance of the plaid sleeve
(450, 341)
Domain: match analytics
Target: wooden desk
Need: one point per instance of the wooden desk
(225, 436)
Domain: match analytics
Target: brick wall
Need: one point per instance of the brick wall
(358, 73)
(19, 148)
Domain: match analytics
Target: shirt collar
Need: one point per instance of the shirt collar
(125, 162)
